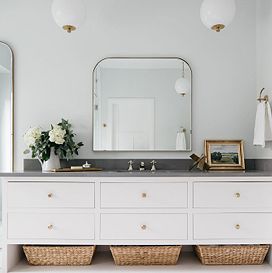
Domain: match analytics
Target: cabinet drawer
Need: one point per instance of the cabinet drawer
(144, 195)
(50, 195)
(232, 195)
(144, 226)
(233, 226)
(70, 226)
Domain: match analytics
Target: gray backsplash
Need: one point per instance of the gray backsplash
(116, 164)
(162, 164)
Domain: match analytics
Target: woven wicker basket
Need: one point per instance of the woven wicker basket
(232, 254)
(145, 255)
(59, 255)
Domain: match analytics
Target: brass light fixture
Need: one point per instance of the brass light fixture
(69, 28)
(217, 14)
(218, 27)
(68, 14)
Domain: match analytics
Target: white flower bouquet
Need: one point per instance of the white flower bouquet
(60, 139)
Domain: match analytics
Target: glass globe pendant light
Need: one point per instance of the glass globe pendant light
(68, 14)
(182, 85)
(217, 14)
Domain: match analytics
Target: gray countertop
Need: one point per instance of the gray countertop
(140, 174)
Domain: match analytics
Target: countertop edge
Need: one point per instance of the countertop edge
(107, 174)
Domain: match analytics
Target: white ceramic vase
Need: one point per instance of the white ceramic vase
(52, 163)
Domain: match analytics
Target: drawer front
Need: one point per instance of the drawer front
(232, 195)
(143, 195)
(144, 226)
(50, 195)
(51, 226)
(233, 226)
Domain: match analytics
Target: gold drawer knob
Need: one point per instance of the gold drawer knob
(144, 195)
(50, 226)
(237, 226)
(237, 195)
(50, 195)
(143, 227)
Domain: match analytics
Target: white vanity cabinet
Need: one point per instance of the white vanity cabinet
(50, 195)
(148, 226)
(50, 225)
(144, 195)
(156, 210)
(232, 195)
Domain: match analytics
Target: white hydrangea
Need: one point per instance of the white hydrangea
(57, 135)
(32, 135)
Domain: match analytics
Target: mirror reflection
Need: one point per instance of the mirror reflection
(6, 108)
(142, 104)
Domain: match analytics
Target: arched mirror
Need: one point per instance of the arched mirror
(6, 108)
(142, 104)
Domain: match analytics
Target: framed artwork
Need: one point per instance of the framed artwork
(225, 154)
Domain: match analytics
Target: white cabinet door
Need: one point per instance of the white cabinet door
(144, 226)
(144, 195)
(233, 195)
(70, 226)
(233, 226)
(50, 195)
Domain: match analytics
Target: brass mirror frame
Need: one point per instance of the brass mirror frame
(12, 104)
(141, 58)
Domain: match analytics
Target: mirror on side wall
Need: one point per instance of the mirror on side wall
(6, 108)
(142, 104)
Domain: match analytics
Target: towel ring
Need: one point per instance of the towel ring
(265, 98)
(182, 130)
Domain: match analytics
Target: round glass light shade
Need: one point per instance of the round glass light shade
(217, 14)
(68, 14)
(182, 86)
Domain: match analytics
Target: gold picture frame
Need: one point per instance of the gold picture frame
(225, 155)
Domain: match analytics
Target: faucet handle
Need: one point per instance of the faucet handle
(153, 168)
(142, 166)
(130, 165)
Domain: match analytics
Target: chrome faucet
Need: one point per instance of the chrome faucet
(130, 166)
(142, 166)
(153, 168)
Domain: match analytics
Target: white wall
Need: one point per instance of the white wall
(264, 57)
(53, 68)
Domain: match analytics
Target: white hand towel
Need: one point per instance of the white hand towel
(268, 122)
(263, 124)
(181, 141)
(259, 130)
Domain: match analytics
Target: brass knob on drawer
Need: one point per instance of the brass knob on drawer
(143, 227)
(237, 226)
(50, 195)
(50, 226)
(237, 195)
(144, 195)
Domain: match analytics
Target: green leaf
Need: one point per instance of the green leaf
(43, 146)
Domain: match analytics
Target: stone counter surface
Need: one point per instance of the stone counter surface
(141, 174)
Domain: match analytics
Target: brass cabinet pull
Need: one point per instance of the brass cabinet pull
(237, 226)
(143, 227)
(144, 195)
(50, 226)
(50, 195)
(237, 195)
